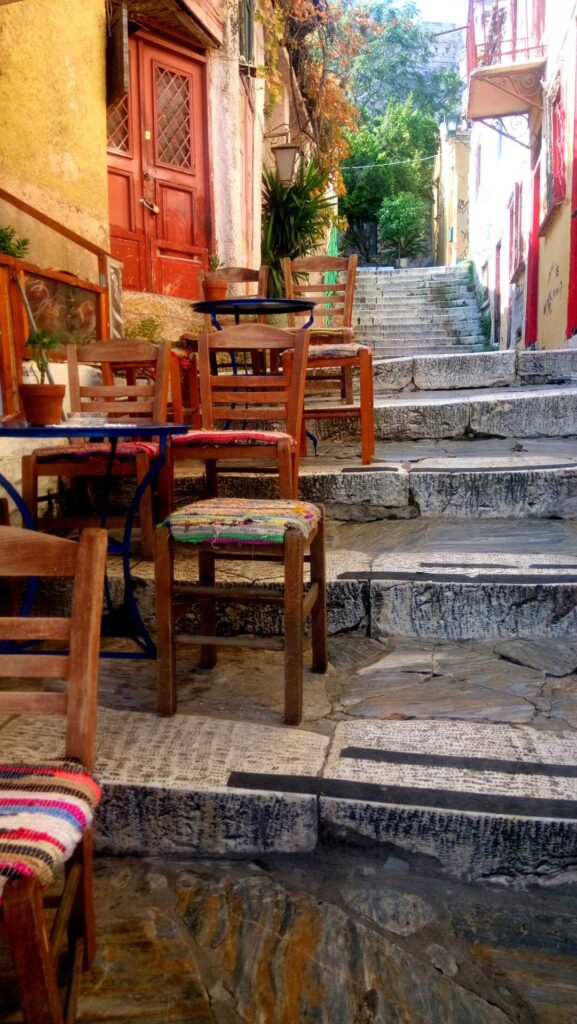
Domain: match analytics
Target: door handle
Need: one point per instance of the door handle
(150, 206)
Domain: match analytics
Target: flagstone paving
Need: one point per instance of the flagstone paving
(335, 936)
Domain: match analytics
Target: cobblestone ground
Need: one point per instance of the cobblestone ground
(335, 937)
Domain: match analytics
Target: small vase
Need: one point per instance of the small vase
(42, 403)
(215, 288)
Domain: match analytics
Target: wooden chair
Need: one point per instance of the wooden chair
(242, 276)
(289, 532)
(228, 398)
(48, 805)
(332, 343)
(140, 396)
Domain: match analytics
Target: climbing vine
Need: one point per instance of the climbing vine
(320, 38)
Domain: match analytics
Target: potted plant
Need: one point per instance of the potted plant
(42, 401)
(214, 285)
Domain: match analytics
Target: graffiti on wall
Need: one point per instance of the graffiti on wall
(554, 289)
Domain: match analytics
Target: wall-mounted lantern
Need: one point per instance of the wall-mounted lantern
(287, 154)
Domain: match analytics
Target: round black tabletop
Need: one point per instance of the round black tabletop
(252, 306)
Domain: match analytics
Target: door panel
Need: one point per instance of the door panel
(127, 237)
(158, 178)
(176, 179)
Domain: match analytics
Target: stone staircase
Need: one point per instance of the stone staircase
(417, 310)
(447, 724)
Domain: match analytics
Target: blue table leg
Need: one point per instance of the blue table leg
(33, 582)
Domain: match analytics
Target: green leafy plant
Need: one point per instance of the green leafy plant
(41, 343)
(403, 223)
(214, 262)
(295, 218)
(148, 327)
(12, 244)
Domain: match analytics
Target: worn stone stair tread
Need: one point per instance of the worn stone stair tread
(481, 798)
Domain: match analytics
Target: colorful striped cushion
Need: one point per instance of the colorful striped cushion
(230, 437)
(242, 520)
(124, 450)
(330, 351)
(44, 809)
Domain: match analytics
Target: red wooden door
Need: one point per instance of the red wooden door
(126, 213)
(159, 197)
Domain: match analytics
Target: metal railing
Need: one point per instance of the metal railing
(504, 32)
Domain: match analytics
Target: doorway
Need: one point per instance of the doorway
(158, 179)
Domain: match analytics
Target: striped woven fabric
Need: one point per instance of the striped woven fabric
(242, 520)
(330, 351)
(124, 450)
(229, 437)
(44, 809)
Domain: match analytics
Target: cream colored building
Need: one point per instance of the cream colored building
(523, 240)
(451, 197)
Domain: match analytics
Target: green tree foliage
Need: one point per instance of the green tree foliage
(401, 145)
(295, 218)
(396, 61)
(403, 221)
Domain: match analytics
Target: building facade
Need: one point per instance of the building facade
(521, 57)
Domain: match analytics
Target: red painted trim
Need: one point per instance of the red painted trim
(532, 302)
(572, 297)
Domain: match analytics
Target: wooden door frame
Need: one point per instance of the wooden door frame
(533, 255)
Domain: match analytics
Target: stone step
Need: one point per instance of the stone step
(417, 334)
(402, 319)
(383, 351)
(452, 479)
(427, 578)
(458, 370)
(487, 800)
(412, 273)
(547, 411)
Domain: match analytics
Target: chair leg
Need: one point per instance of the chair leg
(293, 627)
(367, 414)
(211, 476)
(166, 700)
(166, 487)
(207, 610)
(26, 931)
(347, 385)
(285, 470)
(145, 510)
(30, 485)
(319, 609)
(303, 440)
(82, 918)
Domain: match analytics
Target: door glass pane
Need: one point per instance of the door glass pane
(173, 118)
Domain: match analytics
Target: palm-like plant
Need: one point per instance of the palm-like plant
(295, 218)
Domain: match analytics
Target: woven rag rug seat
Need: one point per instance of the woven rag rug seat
(44, 810)
(231, 437)
(287, 531)
(102, 450)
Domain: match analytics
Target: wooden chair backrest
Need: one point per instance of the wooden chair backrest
(305, 279)
(143, 393)
(26, 553)
(244, 275)
(256, 397)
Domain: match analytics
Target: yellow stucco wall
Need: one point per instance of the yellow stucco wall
(555, 244)
(53, 124)
(452, 199)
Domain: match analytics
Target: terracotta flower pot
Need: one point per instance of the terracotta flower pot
(215, 288)
(42, 403)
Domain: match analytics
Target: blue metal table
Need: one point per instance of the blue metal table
(253, 306)
(126, 620)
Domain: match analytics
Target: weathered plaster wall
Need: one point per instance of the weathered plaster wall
(226, 98)
(53, 124)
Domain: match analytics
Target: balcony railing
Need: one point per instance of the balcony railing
(504, 32)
